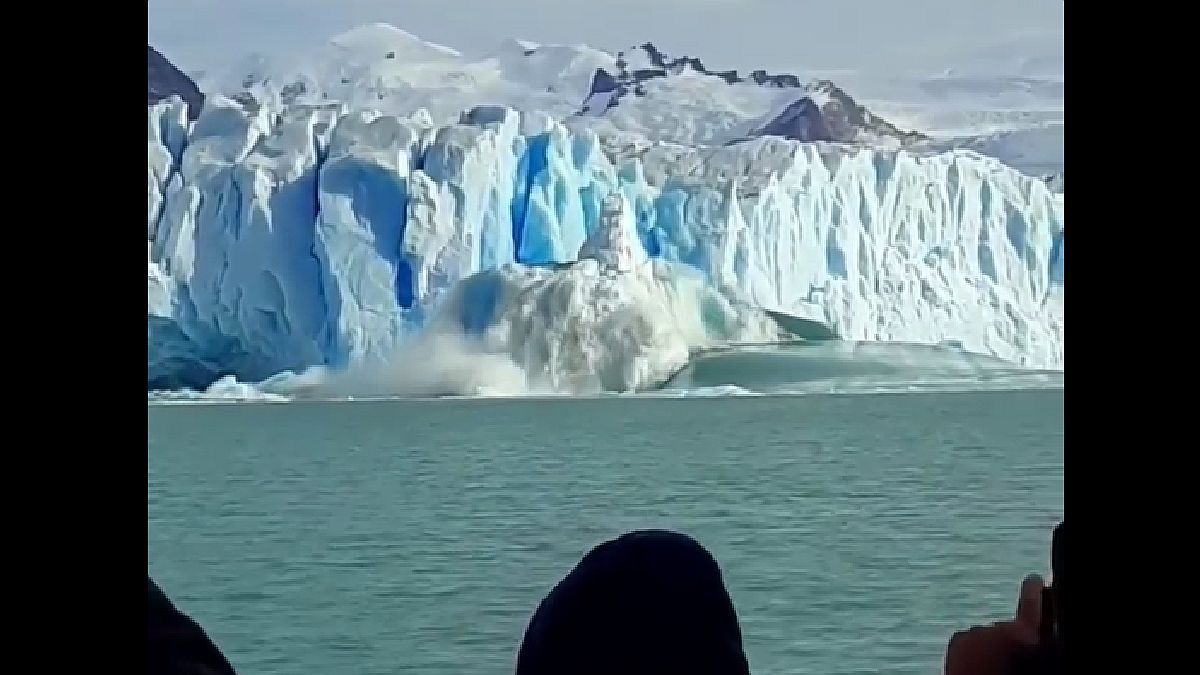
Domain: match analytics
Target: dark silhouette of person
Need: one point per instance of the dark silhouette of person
(654, 602)
(647, 602)
(1032, 642)
(177, 645)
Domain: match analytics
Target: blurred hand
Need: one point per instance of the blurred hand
(994, 649)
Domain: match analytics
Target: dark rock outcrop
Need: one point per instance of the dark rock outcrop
(482, 115)
(838, 119)
(1054, 181)
(163, 80)
(603, 82)
(802, 121)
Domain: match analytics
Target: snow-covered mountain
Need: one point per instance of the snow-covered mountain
(386, 68)
(811, 111)
(640, 90)
(335, 213)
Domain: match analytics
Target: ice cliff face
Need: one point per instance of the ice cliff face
(308, 235)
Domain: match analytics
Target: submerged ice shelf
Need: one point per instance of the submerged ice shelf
(305, 235)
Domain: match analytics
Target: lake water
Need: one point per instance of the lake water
(855, 532)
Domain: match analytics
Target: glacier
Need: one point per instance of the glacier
(283, 237)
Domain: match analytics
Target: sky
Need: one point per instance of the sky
(900, 36)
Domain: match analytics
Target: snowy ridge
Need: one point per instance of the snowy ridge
(288, 236)
(675, 99)
(1036, 150)
(805, 111)
(386, 68)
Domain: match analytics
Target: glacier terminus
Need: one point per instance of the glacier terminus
(285, 236)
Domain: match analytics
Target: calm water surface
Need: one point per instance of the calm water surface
(855, 532)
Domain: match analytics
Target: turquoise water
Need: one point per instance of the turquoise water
(855, 532)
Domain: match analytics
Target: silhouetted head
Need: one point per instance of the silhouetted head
(647, 602)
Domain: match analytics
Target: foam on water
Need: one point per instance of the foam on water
(454, 367)
(434, 365)
(855, 368)
(226, 390)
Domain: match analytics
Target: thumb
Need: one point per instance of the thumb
(1029, 607)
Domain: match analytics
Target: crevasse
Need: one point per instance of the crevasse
(312, 235)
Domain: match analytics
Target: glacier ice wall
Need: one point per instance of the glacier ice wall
(281, 238)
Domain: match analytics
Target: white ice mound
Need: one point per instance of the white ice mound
(587, 327)
(381, 40)
(283, 238)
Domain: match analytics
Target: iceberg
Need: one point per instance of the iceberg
(287, 236)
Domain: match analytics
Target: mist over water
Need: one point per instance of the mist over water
(433, 365)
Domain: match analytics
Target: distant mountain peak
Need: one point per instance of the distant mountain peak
(822, 112)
